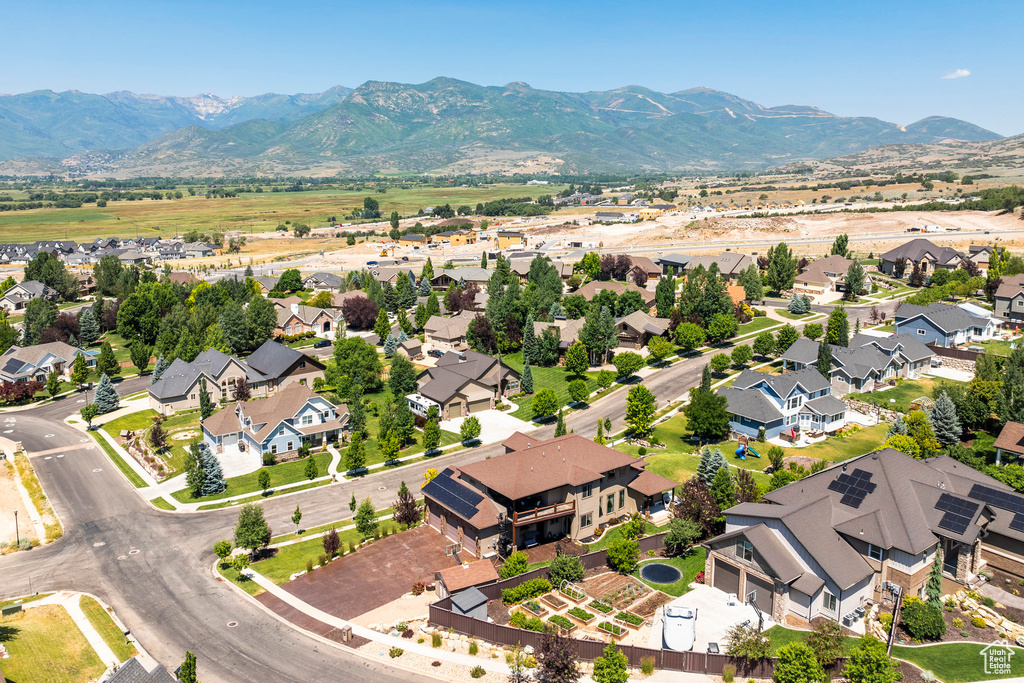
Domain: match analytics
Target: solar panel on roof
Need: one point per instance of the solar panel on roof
(1017, 523)
(959, 513)
(458, 498)
(1003, 500)
(854, 487)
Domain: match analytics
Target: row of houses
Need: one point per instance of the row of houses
(130, 251)
(928, 257)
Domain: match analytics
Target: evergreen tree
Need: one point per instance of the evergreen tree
(795, 305)
(945, 421)
(933, 589)
(722, 488)
(599, 437)
(665, 296)
(158, 369)
(805, 303)
(556, 309)
(781, 268)
(433, 306)
(106, 396)
(424, 288)
(854, 281)
(560, 425)
(841, 246)
(750, 280)
(187, 671)
(390, 344)
(382, 327)
(402, 377)
(897, 428)
(88, 328)
(838, 331)
(407, 512)
(431, 436)
(483, 260)
(187, 349)
(1011, 396)
(312, 470)
(824, 359)
(420, 317)
(404, 425)
(705, 378)
(205, 403)
(79, 370)
(106, 363)
(526, 381)
(355, 455)
(213, 479)
(428, 271)
(529, 341)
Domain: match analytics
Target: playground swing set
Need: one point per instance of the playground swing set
(744, 450)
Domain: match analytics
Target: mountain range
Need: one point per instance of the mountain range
(441, 125)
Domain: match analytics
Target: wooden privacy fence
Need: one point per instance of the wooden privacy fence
(959, 354)
(442, 616)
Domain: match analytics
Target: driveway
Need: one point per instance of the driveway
(234, 462)
(495, 425)
(714, 617)
(374, 575)
(950, 373)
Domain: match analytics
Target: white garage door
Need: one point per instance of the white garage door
(230, 439)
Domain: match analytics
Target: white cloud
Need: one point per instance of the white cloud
(957, 73)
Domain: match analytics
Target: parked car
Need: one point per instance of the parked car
(435, 353)
(322, 343)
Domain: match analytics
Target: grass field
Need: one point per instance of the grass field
(371, 445)
(35, 491)
(45, 645)
(756, 325)
(780, 635)
(243, 582)
(108, 630)
(998, 346)
(177, 453)
(555, 378)
(904, 392)
(284, 473)
(248, 212)
(958, 662)
(615, 533)
(793, 316)
(689, 564)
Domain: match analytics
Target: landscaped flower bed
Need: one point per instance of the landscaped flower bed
(562, 623)
(553, 601)
(632, 620)
(611, 629)
(581, 615)
(574, 594)
(600, 606)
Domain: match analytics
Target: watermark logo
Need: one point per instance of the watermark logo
(997, 658)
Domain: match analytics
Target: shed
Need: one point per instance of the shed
(457, 578)
(470, 602)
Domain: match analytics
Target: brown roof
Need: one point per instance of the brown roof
(465, 575)
(1011, 438)
(645, 264)
(651, 484)
(594, 287)
(180, 278)
(736, 293)
(223, 421)
(569, 460)
(1010, 286)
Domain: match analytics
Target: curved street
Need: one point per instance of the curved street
(155, 568)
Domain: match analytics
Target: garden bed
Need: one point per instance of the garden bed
(533, 608)
(563, 623)
(576, 596)
(553, 601)
(601, 607)
(581, 615)
(614, 630)
(630, 620)
(649, 607)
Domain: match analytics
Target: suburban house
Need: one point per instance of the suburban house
(271, 367)
(457, 238)
(18, 296)
(448, 333)
(180, 277)
(341, 297)
(649, 267)
(797, 401)
(595, 287)
(86, 284)
(463, 383)
(411, 349)
(267, 283)
(322, 282)
(922, 253)
(414, 240)
(825, 275)
(637, 328)
(831, 542)
(673, 264)
(868, 360)
(466, 274)
(275, 425)
(568, 332)
(542, 490)
(1010, 442)
(730, 264)
(510, 238)
(27, 363)
(1009, 298)
(299, 319)
(944, 324)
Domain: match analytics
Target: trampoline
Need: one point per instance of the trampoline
(657, 572)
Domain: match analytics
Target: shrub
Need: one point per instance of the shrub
(525, 591)
(473, 647)
(323, 560)
(309, 566)
(418, 588)
(478, 672)
(885, 619)
(922, 621)
(520, 620)
(647, 665)
(435, 640)
(395, 652)
(642, 451)
(978, 622)
(950, 605)
(958, 622)
(515, 565)
(796, 664)
(728, 673)
(565, 568)
(989, 602)
(623, 556)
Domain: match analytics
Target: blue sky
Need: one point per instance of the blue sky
(883, 59)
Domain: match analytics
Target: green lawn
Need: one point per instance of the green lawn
(998, 346)
(45, 645)
(904, 392)
(756, 325)
(690, 564)
(555, 378)
(780, 635)
(615, 533)
(162, 504)
(291, 559)
(176, 425)
(371, 446)
(793, 316)
(259, 497)
(243, 582)
(137, 481)
(108, 630)
(957, 662)
(22, 601)
(326, 527)
(285, 473)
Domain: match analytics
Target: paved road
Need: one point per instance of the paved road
(154, 567)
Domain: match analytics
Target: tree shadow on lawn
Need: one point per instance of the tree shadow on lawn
(8, 633)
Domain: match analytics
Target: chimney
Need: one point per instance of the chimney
(295, 308)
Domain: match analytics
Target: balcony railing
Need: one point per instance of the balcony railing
(543, 513)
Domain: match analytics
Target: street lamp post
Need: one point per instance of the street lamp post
(17, 533)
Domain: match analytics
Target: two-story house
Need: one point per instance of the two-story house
(1009, 298)
(17, 297)
(944, 325)
(276, 425)
(322, 282)
(825, 275)
(299, 319)
(793, 402)
(543, 490)
(828, 544)
(921, 252)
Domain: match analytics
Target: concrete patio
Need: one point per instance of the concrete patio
(714, 617)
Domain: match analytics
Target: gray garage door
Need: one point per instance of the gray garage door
(727, 577)
(434, 518)
(477, 406)
(762, 593)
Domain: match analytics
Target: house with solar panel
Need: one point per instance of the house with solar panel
(540, 490)
(830, 544)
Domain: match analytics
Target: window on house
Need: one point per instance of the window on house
(307, 420)
(611, 503)
(291, 445)
(921, 332)
(829, 602)
(622, 498)
(280, 432)
(744, 550)
(600, 508)
(273, 448)
(587, 490)
(874, 553)
(586, 520)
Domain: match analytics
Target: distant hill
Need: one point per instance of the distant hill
(443, 124)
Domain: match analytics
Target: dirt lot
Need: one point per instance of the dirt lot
(11, 500)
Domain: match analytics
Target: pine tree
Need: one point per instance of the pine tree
(794, 305)
(187, 671)
(213, 477)
(526, 381)
(704, 467)
(355, 455)
(933, 589)
(205, 404)
(381, 328)
(106, 363)
(483, 260)
(705, 378)
(390, 344)
(79, 370)
(838, 331)
(158, 369)
(599, 437)
(560, 425)
(88, 328)
(106, 396)
(529, 341)
(431, 436)
(945, 421)
(424, 288)
(899, 427)
(312, 470)
(824, 364)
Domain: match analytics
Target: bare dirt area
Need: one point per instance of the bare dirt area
(11, 500)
